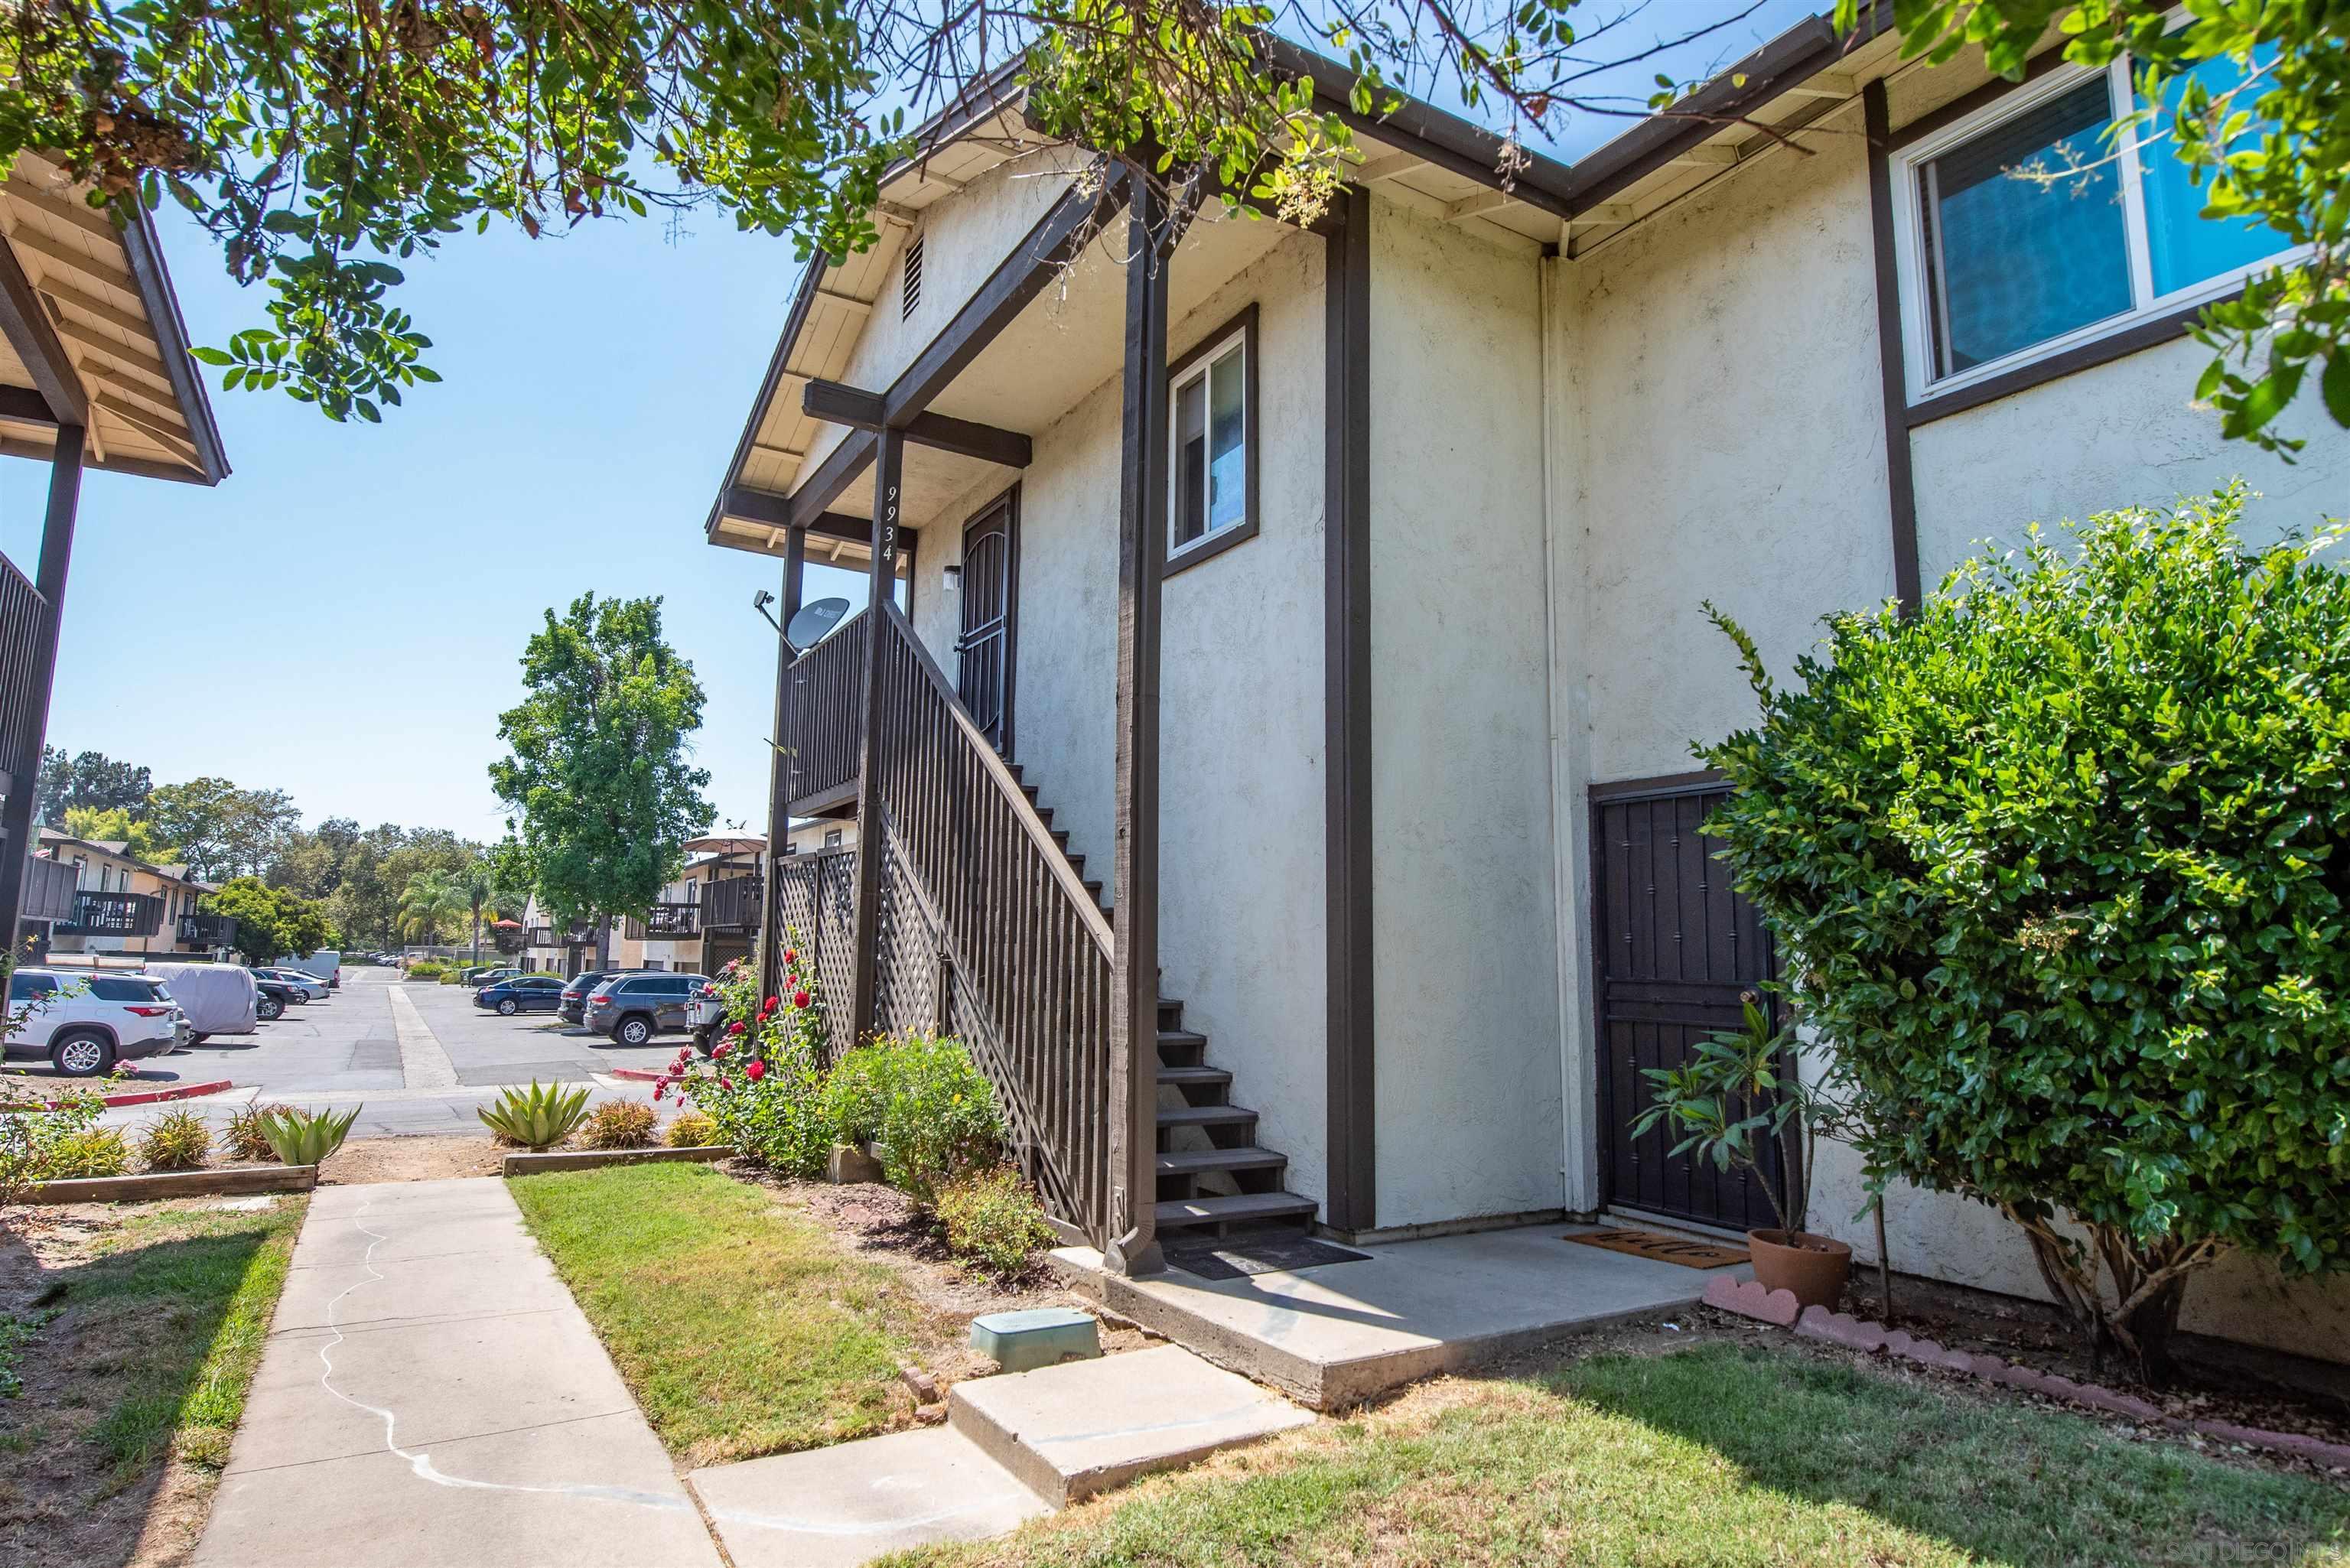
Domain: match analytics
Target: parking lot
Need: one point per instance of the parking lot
(421, 1056)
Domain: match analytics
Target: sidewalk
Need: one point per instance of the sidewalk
(431, 1394)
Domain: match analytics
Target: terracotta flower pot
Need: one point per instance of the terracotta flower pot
(1813, 1267)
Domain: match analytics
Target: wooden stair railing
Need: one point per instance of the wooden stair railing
(1020, 950)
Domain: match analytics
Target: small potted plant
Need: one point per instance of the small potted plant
(1739, 1085)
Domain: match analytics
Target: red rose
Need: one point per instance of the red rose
(660, 1089)
(799, 999)
(723, 1047)
(755, 1070)
(791, 955)
(734, 1028)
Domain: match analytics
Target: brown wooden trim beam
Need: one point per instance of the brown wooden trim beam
(25, 321)
(854, 406)
(24, 406)
(1352, 1106)
(888, 494)
(16, 836)
(1893, 375)
(1133, 1143)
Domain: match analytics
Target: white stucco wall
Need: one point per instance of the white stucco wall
(1725, 441)
(1466, 995)
(965, 236)
(1241, 913)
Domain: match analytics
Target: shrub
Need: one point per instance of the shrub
(175, 1140)
(538, 1118)
(994, 1221)
(306, 1137)
(87, 1151)
(426, 969)
(763, 1084)
(691, 1129)
(857, 1094)
(2058, 865)
(618, 1124)
(941, 1119)
(247, 1139)
(31, 1134)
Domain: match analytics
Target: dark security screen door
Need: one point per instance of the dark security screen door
(990, 590)
(1677, 946)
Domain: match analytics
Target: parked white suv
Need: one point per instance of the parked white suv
(84, 1023)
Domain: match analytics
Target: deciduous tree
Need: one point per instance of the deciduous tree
(270, 923)
(90, 780)
(604, 793)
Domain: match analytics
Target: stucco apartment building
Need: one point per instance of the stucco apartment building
(126, 904)
(1354, 572)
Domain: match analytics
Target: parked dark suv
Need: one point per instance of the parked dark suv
(574, 1005)
(633, 1008)
(523, 994)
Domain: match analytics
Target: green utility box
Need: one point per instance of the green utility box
(1043, 1337)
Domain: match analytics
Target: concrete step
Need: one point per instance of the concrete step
(847, 1504)
(1238, 1208)
(1083, 1427)
(1202, 1161)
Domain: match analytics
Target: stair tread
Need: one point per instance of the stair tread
(1182, 1037)
(1193, 1075)
(1204, 1116)
(1198, 1161)
(1225, 1209)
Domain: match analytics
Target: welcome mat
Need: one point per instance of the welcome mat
(1679, 1249)
(1234, 1257)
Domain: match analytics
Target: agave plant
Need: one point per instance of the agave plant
(306, 1137)
(537, 1117)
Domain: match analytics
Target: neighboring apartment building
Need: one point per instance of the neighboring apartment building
(126, 904)
(1443, 483)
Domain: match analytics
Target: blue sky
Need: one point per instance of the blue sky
(341, 618)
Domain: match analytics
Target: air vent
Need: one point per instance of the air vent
(913, 280)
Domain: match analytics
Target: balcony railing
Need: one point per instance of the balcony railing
(207, 931)
(51, 891)
(114, 915)
(827, 724)
(667, 921)
(549, 937)
(733, 905)
(23, 621)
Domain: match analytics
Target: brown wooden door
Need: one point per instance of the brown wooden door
(1677, 947)
(991, 588)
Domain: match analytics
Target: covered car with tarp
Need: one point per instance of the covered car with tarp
(218, 997)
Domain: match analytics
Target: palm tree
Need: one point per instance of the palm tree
(481, 891)
(431, 899)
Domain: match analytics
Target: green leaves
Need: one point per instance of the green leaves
(2057, 865)
(537, 1117)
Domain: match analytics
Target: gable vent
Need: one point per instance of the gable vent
(913, 280)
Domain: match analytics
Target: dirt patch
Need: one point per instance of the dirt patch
(65, 1501)
(423, 1158)
(882, 1224)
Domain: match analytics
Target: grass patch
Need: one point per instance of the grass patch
(1717, 1455)
(138, 1348)
(742, 1327)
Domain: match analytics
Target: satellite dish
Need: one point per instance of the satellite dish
(808, 628)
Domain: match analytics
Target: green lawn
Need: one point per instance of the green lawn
(144, 1349)
(1716, 1455)
(742, 1327)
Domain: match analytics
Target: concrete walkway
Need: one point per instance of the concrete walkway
(431, 1394)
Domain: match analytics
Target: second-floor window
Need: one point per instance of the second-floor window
(2031, 226)
(1211, 396)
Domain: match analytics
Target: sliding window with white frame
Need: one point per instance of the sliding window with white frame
(1211, 501)
(2031, 227)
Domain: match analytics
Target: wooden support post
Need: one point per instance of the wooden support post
(1141, 557)
(57, 559)
(782, 769)
(888, 486)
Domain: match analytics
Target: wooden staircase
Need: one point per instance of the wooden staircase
(1214, 1178)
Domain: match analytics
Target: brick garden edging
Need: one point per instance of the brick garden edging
(1747, 1298)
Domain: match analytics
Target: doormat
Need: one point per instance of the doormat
(1679, 1249)
(1235, 1257)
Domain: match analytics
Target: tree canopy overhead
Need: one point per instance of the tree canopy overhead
(323, 143)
